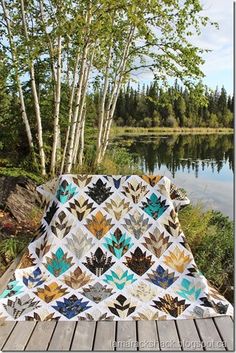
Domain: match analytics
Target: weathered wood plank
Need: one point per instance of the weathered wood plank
(209, 335)
(147, 336)
(83, 336)
(19, 336)
(62, 336)
(5, 331)
(126, 336)
(190, 340)
(168, 336)
(225, 326)
(41, 336)
(105, 336)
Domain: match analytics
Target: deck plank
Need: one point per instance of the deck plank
(19, 336)
(105, 336)
(152, 336)
(83, 336)
(126, 336)
(5, 331)
(225, 326)
(168, 336)
(40, 338)
(190, 340)
(62, 336)
(209, 335)
(147, 336)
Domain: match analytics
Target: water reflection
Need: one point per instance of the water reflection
(202, 164)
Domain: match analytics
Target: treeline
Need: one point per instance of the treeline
(152, 106)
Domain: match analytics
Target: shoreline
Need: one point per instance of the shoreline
(167, 130)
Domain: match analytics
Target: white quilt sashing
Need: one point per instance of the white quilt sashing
(110, 247)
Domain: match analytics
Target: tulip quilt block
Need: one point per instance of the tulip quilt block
(110, 247)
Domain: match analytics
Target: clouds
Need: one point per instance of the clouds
(218, 66)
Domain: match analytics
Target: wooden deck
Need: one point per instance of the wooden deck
(197, 335)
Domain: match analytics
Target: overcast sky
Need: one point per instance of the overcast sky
(218, 66)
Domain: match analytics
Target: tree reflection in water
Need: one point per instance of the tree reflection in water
(188, 153)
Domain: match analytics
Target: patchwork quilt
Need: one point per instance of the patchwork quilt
(110, 248)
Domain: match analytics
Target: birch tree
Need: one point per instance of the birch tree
(16, 72)
(34, 89)
(79, 87)
(158, 38)
(78, 42)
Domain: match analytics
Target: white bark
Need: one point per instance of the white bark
(106, 127)
(19, 87)
(103, 100)
(81, 115)
(35, 96)
(50, 44)
(57, 110)
(78, 94)
(79, 121)
(81, 150)
(75, 113)
(70, 111)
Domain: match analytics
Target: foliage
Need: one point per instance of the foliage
(210, 235)
(45, 104)
(11, 247)
(16, 172)
(173, 107)
(118, 161)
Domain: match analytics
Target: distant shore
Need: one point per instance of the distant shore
(117, 130)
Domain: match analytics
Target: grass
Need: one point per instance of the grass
(20, 172)
(117, 130)
(210, 236)
(10, 247)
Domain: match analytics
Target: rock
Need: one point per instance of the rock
(19, 196)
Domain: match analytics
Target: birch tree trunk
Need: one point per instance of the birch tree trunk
(87, 44)
(49, 42)
(35, 95)
(82, 115)
(70, 111)
(19, 87)
(81, 150)
(102, 107)
(75, 113)
(56, 111)
(109, 113)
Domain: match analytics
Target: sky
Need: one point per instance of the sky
(218, 67)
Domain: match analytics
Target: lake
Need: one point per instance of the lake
(201, 164)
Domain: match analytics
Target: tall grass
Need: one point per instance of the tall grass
(210, 236)
(117, 130)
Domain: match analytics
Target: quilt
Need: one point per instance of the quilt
(110, 248)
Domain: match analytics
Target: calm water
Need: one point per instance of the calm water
(201, 164)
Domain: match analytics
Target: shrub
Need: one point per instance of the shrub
(171, 122)
(147, 122)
